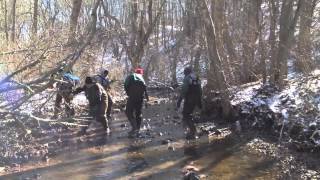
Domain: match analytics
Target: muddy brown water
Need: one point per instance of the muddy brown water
(97, 156)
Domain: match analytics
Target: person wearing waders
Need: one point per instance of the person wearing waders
(104, 80)
(65, 83)
(191, 93)
(98, 103)
(136, 90)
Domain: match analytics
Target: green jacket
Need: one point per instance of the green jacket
(135, 86)
(133, 78)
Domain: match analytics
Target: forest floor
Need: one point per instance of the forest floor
(221, 152)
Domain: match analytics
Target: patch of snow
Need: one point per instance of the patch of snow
(169, 28)
(3, 103)
(204, 82)
(291, 92)
(313, 124)
(316, 72)
(258, 102)
(292, 75)
(80, 99)
(291, 69)
(284, 113)
(246, 94)
(274, 103)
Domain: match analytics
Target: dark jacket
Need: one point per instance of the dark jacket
(95, 93)
(191, 90)
(104, 81)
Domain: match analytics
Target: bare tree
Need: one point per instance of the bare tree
(274, 14)
(76, 7)
(13, 20)
(5, 11)
(140, 35)
(288, 21)
(214, 57)
(249, 44)
(35, 17)
(304, 60)
(225, 47)
(262, 47)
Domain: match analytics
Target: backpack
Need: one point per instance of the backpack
(194, 86)
(70, 79)
(101, 80)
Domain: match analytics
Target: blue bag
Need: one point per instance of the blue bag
(74, 80)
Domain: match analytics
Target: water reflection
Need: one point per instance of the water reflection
(135, 157)
(117, 157)
(191, 150)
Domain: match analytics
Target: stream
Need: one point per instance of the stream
(160, 153)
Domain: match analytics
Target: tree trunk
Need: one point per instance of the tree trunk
(187, 18)
(304, 60)
(263, 55)
(274, 13)
(222, 34)
(172, 20)
(35, 18)
(76, 7)
(228, 42)
(214, 57)
(5, 10)
(157, 29)
(133, 37)
(288, 21)
(163, 36)
(140, 37)
(174, 80)
(54, 17)
(190, 19)
(150, 12)
(250, 42)
(13, 20)
(196, 62)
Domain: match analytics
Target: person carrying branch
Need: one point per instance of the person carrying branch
(136, 89)
(65, 83)
(97, 98)
(191, 93)
(104, 80)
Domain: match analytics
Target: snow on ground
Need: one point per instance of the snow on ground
(246, 94)
(298, 104)
(291, 69)
(80, 99)
(295, 96)
(275, 102)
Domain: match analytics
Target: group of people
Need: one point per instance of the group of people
(97, 92)
(96, 89)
